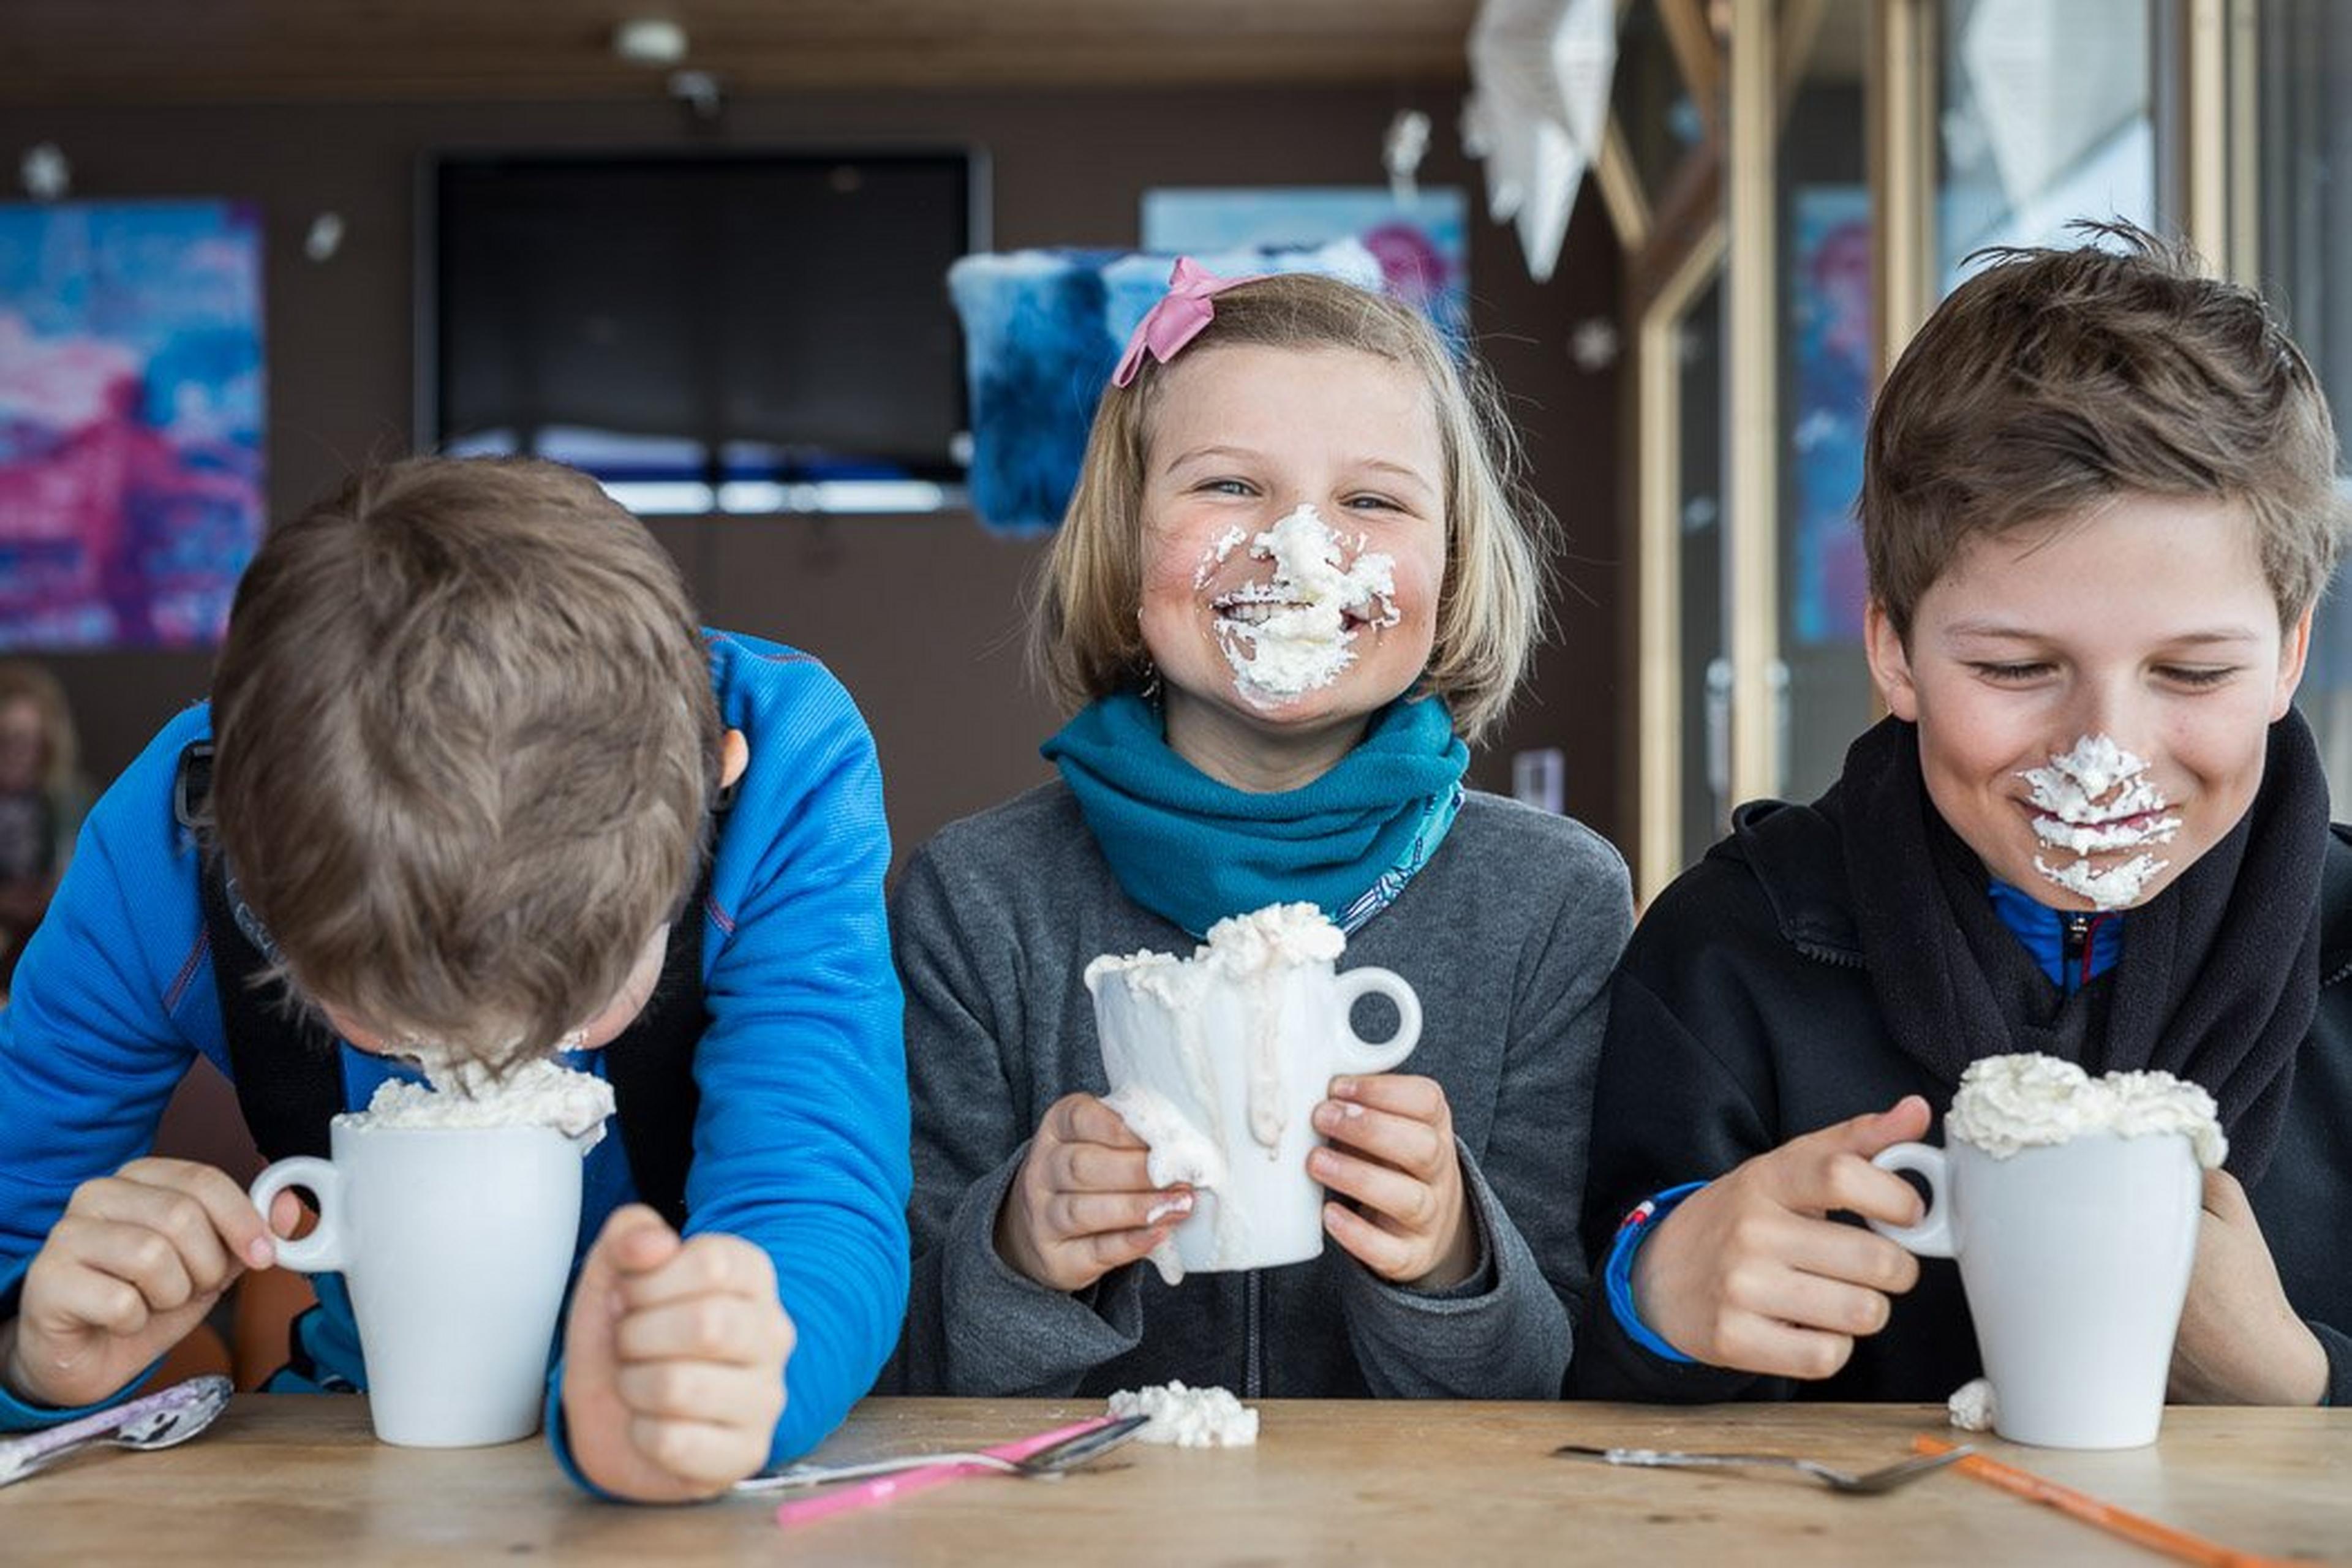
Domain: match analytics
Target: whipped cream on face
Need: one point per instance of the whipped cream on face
(2097, 799)
(1290, 635)
(537, 1094)
(1215, 556)
(1253, 949)
(2028, 1100)
(1188, 1417)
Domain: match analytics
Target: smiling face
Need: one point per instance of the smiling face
(1294, 546)
(2095, 694)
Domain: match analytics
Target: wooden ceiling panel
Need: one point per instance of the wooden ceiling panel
(196, 51)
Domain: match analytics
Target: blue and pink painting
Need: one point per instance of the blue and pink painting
(131, 400)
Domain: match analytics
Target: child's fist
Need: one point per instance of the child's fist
(674, 1360)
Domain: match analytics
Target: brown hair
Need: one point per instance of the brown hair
(2056, 379)
(23, 680)
(466, 739)
(1085, 640)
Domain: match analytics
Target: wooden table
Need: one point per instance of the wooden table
(295, 1480)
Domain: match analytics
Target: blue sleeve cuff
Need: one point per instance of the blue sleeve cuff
(1618, 1276)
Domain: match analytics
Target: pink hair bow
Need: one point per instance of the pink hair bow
(1177, 319)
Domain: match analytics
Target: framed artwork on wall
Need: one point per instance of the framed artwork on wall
(131, 417)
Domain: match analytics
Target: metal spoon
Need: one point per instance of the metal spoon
(156, 1421)
(1045, 1464)
(1884, 1479)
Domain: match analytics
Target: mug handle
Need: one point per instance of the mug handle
(1358, 1055)
(1932, 1236)
(321, 1251)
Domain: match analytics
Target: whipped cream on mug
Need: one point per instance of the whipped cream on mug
(1241, 951)
(1289, 635)
(2096, 799)
(2028, 1100)
(463, 1094)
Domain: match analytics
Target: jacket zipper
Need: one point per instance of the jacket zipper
(2072, 945)
(1252, 1378)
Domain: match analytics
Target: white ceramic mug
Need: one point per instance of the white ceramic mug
(2075, 1258)
(1244, 1070)
(457, 1245)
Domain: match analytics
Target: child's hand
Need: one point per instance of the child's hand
(135, 1261)
(1082, 1203)
(1392, 1152)
(1748, 1273)
(2239, 1342)
(673, 1361)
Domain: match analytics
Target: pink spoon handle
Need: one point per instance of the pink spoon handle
(889, 1488)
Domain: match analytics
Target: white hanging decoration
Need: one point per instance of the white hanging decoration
(47, 176)
(1538, 106)
(1401, 150)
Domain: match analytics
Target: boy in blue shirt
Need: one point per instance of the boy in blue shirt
(2098, 507)
(472, 782)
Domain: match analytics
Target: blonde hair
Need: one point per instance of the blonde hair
(465, 744)
(1085, 640)
(21, 680)
(2057, 379)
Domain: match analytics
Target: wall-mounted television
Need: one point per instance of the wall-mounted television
(731, 332)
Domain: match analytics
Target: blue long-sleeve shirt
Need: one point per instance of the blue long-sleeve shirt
(801, 1141)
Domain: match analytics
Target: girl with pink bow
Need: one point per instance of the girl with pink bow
(1295, 579)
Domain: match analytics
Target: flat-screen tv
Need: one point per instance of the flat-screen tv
(739, 331)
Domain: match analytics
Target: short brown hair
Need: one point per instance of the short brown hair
(1087, 641)
(465, 740)
(2057, 378)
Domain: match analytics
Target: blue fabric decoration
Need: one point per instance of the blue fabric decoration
(1195, 850)
(1043, 329)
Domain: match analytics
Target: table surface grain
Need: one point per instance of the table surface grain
(301, 1479)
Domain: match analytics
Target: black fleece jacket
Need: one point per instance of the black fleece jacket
(1742, 1017)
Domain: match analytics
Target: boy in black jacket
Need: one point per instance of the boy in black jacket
(2098, 509)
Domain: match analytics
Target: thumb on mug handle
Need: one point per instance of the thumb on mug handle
(1932, 1236)
(321, 1251)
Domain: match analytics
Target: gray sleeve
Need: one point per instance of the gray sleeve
(1501, 1334)
(973, 1325)
(1505, 1334)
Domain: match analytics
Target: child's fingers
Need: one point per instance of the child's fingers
(226, 1209)
(701, 1452)
(1807, 1300)
(141, 1258)
(1845, 1252)
(1823, 1179)
(1750, 1343)
(76, 1295)
(636, 1239)
(168, 1220)
(700, 1391)
(1095, 1167)
(718, 1327)
(714, 1262)
(1073, 1216)
(1083, 1119)
(1410, 1202)
(1117, 1248)
(1400, 1093)
(1412, 1145)
(1385, 1253)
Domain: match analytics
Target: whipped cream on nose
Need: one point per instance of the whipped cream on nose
(2097, 799)
(1290, 634)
